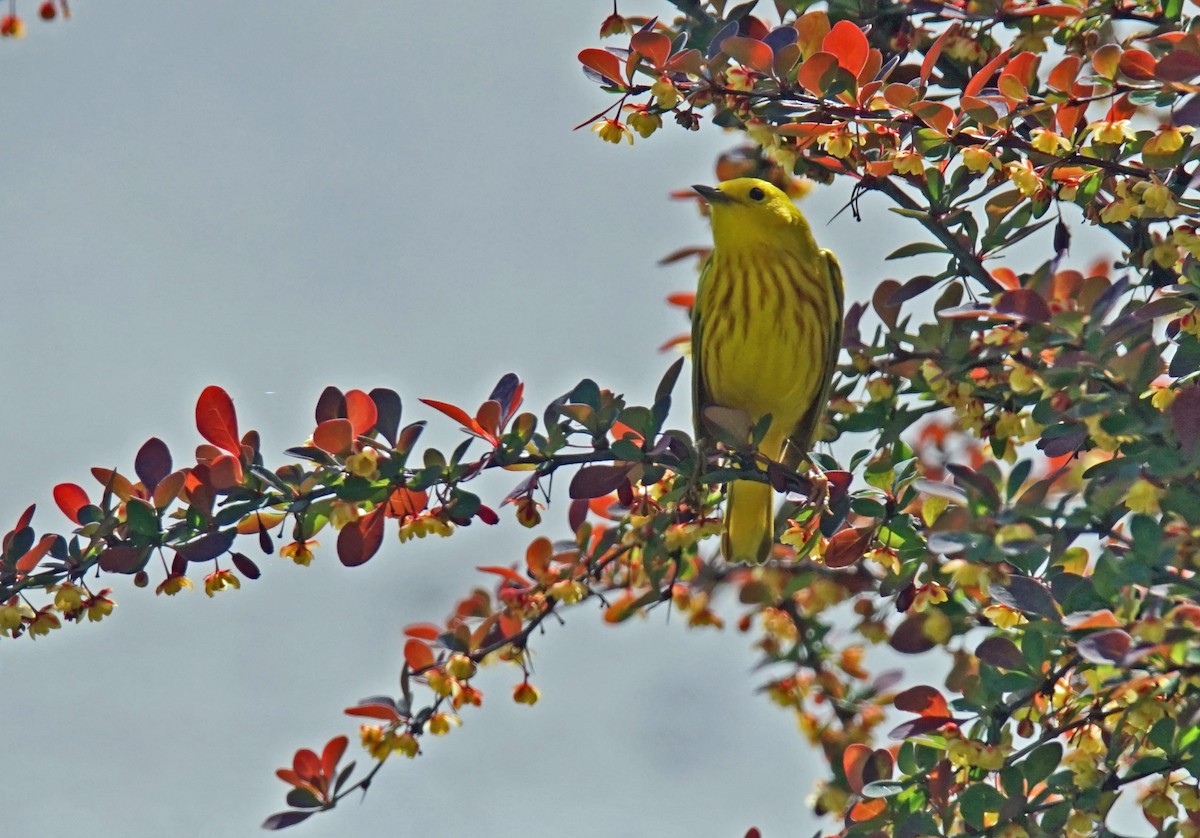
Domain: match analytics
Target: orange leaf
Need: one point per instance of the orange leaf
(225, 472)
(683, 299)
(334, 436)
(853, 759)
(935, 51)
(1121, 109)
(871, 66)
(374, 711)
(923, 700)
(899, 95)
(1024, 66)
(510, 624)
(332, 754)
(1107, 61)
(816, 72)
(29, 561)
(405, 503)
(538, 555)
(1006, 277)
(116, 483)
(1011, 88)
(1064, 74)
(749, 53)
(456, 413)
(418, 655)
(216, 419)
(620, 430)
(654, 46)
(487, 419)
(423, 631)
(1056, 11)
(848, 43)
(980, 79)
(690, 61)
(1138, 64)
(361, 411)
(508, 573)
(604, 63)
(936, 115)
(813, 27)
(865, 810)
(70, 499)
(306, 765)
(1097, 620)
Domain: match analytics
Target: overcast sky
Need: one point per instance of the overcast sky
(277, 196)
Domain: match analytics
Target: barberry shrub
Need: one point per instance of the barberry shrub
(1019, 494)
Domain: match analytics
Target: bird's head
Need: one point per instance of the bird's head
(748, 209)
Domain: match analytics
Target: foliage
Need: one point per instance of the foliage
(1024, 498)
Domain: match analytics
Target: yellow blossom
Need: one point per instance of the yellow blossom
(613, 131)
(1003, 617)
(299, 552)
(741, 79)
(908, 163)
(99, 606)
(12, 615)
(526, 693)
(460, 667)
(665, 94)
(1186, 238)
(1143, 497)
(936, 626)
(1112, 132)
(343, 513)
(45, 621)
(375, 741)
(1048, 142)
(1167, 141)
(1023, 380)
(173, 584)
(221, 580)
(838, 143)
(1157, 802)
(567, 591)
(1159, 200)
(406, 744)
(423, 525)
(438, 682)
(979, 160)
(364, 464)
(880, 389)
(644, 122)
(68, 598)
(1024, 178)
(930, 594)
(885, 557)
(1188, 796)
(439, 723)
(614, 24)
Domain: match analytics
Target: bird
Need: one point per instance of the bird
(766, 332)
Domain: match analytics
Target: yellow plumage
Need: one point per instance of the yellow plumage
(766, 330)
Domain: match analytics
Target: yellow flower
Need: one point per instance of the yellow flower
(1167, 141)
(406, 744)
(526, 693)
(906, 163)
(1024, 178)
(423, 525)
(99, 606)
(375, 741)
(567, 591)
(1157, 802)
(1159, 200)
(644, 122)
(460, 666)
(1143, 497)
(220, 580)
(979, 160)
(173, 584)
(838, 143)
(364, 464)
(930, 594)
(1003, 617)
(12, 26)
(612, 131)
(1112, 132)
(614, 24)
(44, 622)
(936, 626)
(740, 78)
(665, 94)
(299, 552)
(880, 389)
(1047, 142)
(342, 513)
(1164, 253)
(1120, 210)
(68, 598)
(439, 723)
(12, 615)
(1186, 238)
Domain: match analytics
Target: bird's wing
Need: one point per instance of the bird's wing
(700, 394)
(801, 437)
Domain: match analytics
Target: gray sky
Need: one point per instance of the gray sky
(276, 196)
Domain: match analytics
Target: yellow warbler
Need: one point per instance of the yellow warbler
(766, 330)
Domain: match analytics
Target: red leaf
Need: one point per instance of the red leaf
(1123, 108)
(335, 436)
(508, 573)
(849, 44)
(70, 499)
(749, 53)
(1105, 646)
(1138, 64)
(1024, 304)
(980, 79)
(604, 63)
(361, 411)
(1179, 65)
(817, 71)
(330, 405)
(853, 759)
(216, 419)
(1000, 652)
(152, 463)
(383, 712)
(923, 724)
(405, 503)
(359, 541)
(1185, 418)
(418, 655)
(922, 699)
(487, 515)
(332, 755)
(25, 518)
(865, 810)
(1064, 74)
(306, 765)
(597, 481)
(935, 51)
(29, 561)
(225, 472)
(487, 419)
(847, 547)
(654, 46)
(423, 631)
(456, 413)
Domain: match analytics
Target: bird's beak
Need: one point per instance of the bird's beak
(711, 194)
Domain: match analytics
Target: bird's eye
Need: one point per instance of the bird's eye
(757, 194)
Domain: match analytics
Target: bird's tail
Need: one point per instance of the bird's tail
(749, 522)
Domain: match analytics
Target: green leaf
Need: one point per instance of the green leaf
(1041, 762)
(915, 249)
(882, 788)
(141, 517)
(1162, 734)
(976, 800)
